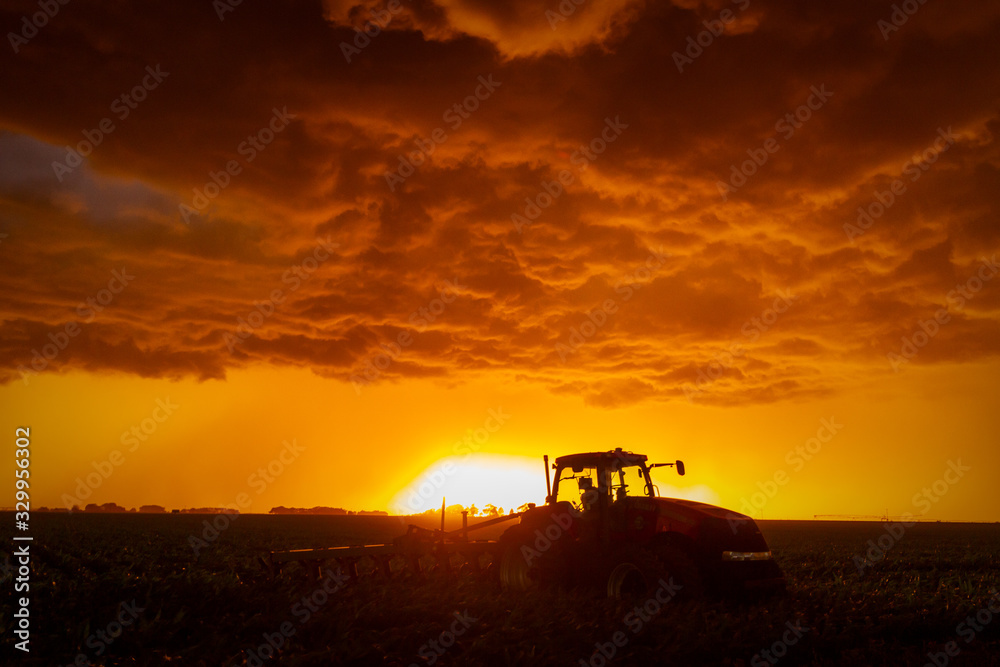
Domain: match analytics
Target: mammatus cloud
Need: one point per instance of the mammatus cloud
(562, 224)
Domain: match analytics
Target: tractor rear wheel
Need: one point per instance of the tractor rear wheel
(514, 570)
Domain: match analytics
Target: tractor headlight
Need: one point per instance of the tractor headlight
(746, 555)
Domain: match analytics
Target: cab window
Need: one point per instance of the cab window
(628, 481)
(581, 487)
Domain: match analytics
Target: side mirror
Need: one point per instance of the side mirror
(680, 467)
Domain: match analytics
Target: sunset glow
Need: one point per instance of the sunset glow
(503, 481)
(272, 258)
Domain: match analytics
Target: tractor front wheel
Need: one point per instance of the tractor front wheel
(634, 573)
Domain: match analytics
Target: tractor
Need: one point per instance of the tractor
(604, 521)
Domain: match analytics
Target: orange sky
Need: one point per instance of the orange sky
(769, 251)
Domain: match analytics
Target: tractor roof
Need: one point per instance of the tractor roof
(594, 459)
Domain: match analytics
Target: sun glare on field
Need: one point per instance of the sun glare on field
(475, 479)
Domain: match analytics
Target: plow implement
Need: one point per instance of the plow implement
(448, 549)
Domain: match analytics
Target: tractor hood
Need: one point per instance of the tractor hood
(693, 507)
(691, 512)
(712, 526)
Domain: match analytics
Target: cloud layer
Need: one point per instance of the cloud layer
(722, 202)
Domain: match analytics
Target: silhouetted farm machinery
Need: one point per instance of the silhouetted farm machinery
(603, 523)
(414, 547)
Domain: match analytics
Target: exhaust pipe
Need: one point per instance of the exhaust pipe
(548, 482)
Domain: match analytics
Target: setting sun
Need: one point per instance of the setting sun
(475, 480)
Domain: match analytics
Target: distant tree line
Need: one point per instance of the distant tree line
(489, 511)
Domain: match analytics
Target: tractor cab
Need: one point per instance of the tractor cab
(610, 492)
(598, 480)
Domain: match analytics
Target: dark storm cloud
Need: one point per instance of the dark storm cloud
(860, 166)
